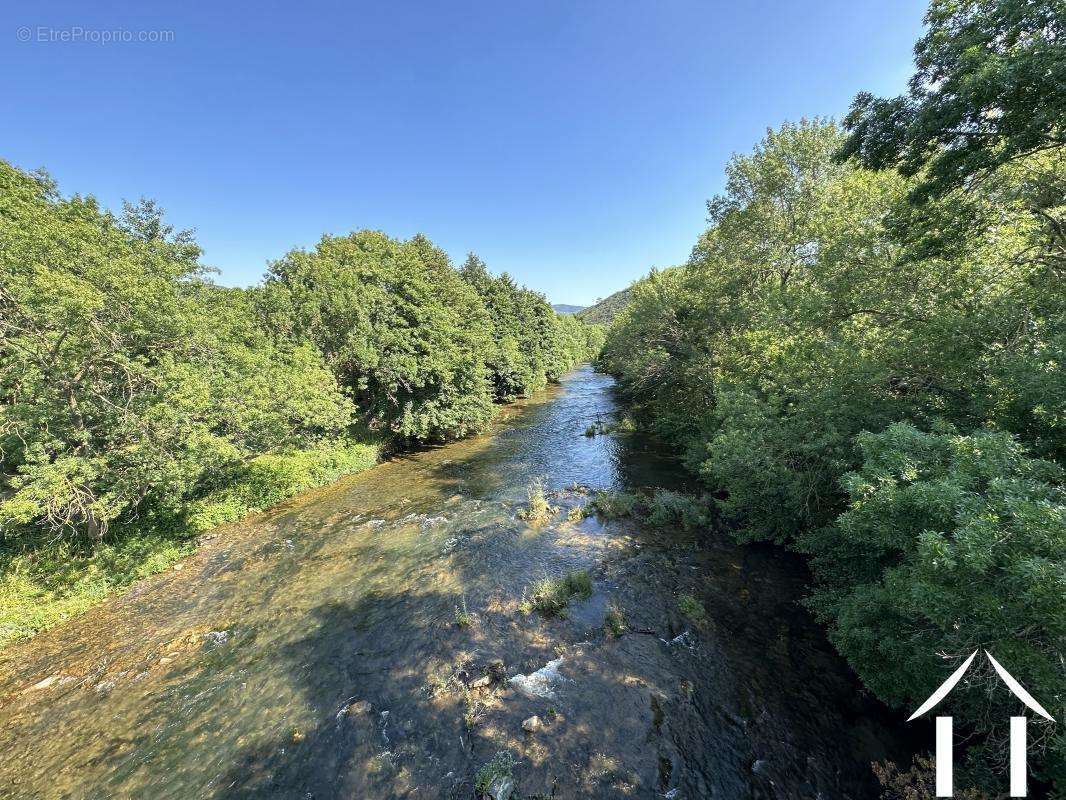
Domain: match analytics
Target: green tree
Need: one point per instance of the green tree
(397, 324)
(531, 344)
(126, 380)
(990, 87)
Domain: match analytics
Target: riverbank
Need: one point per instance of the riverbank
(46, 581)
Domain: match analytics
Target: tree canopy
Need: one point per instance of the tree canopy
(990, 87)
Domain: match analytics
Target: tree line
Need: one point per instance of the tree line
(863, 358)
(135, 393)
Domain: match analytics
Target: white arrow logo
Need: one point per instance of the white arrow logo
(944, 758)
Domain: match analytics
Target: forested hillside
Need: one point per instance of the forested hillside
(141, 404)
(864, 359)
(606, 309)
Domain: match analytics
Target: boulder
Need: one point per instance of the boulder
(532, 724)
(358, 708)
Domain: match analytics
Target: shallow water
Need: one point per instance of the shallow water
(312, 651)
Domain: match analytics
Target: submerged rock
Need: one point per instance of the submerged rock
(501, 788)
(358, 708)
(531, 725)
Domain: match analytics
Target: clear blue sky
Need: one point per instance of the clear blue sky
(573, 144)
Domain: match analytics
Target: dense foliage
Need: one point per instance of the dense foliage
(990, 87)
(606, 309)
(126, 379)
(867, 364)
(136, 395)
(530, 344)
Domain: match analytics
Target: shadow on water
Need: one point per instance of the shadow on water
(230, 678)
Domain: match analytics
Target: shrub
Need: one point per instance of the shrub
(44, 581)
(668, 509)
(951, 544)
(268, 479)
(613, 505)
(692, 608)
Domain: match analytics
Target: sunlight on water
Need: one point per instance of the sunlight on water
(313, 651)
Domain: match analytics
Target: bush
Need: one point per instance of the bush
(612, 505)
(268, 479)
(668, 509)
(951, 544)
(45, 580)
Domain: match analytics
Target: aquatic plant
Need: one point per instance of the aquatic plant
(537, 509)
(692, 608)
(500, 768)
(613, 505)
(551, 595)
(462, 614)
(614, 624)
(667, 509)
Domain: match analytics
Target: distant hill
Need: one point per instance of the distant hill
(607, 309)
(563, 308)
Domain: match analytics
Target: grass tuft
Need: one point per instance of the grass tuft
(692, 608)
(551, 596)
(612, 505)
(462, 614)
(668, 509)
(538, 509)
(501, 766)
(614, 624)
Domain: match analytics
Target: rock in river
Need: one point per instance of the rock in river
(501, 789)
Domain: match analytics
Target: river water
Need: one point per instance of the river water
(312, 651)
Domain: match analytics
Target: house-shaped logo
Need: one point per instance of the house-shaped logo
(944, 759)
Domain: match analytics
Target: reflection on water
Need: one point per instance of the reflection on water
(313, 651)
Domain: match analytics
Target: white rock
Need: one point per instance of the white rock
(531, 724)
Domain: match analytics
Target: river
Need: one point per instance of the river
(312, 651)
